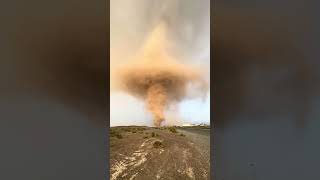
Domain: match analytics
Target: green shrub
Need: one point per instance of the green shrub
(112, 133)
(141, 129)
(119, 136)
(157, 144)
(116, 134)
(172, 129)
(153, 134)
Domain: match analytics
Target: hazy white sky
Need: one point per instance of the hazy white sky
(130, 23)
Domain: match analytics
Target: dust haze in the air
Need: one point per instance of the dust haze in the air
(156, 78)
(151, 62)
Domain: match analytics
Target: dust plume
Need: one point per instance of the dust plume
(155, 76)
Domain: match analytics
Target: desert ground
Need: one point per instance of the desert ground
(168, 153)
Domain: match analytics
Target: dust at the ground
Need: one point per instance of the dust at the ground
(181, 155)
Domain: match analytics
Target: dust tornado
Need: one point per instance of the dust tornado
(155, 76)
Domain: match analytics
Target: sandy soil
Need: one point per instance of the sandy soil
(179, 157)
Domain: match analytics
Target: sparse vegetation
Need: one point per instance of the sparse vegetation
(157, 144)
(116, 134)
(133, 129)
(132, 151)
(172, 129)
(142, 129)
(119, 136)
(153, 134)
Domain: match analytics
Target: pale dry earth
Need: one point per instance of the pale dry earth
(179, 157)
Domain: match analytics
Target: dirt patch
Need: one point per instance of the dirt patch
(168, 156)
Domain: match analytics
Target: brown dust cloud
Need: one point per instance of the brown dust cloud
(154, 76)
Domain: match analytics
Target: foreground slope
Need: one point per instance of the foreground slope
(158, 153)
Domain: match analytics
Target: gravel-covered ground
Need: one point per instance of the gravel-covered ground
(145, 153)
